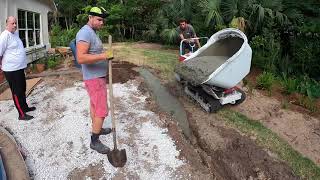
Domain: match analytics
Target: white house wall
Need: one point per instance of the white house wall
(10, 8)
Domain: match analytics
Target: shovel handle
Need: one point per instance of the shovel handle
(112, 106)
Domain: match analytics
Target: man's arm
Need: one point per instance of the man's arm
(181, 37)
(84, 57)
(197, 41)
(195, 36)
(3, 46)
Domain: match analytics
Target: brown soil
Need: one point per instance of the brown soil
(227, 153)
(295, 124)
(93, 171)
(143, 45)
(300, 130)
(277, 93)
(122, 72)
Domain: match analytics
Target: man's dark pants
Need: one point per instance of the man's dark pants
(17, 83)
(186, 45)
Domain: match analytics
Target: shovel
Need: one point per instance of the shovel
(116, 157)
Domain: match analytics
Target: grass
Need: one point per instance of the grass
(162, 60)
(301, 166)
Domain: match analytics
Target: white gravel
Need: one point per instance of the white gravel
(56, 142)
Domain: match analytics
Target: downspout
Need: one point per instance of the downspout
(6, 11)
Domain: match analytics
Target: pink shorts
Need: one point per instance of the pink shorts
(97, 90)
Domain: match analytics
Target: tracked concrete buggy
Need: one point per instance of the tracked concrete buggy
(210, 75)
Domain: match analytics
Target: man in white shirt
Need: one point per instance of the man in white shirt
(13, 61)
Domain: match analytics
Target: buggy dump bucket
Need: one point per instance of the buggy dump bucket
(223, 61)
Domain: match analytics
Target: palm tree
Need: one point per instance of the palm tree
(212, 10)
(168, 17)
(254, 13)
(265, 10)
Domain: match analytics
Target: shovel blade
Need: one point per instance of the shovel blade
(117, 158)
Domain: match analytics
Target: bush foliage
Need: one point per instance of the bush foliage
(284, 34)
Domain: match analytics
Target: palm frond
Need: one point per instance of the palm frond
(211, 8)
(169, 35)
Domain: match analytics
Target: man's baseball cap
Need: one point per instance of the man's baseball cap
(98, 11)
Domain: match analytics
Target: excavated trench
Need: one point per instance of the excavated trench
(223, 151)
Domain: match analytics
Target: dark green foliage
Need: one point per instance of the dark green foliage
(62, 37)
(266, 52)
(309, 87)
(265, 81)
(289, 84)
(306, 54)
(53, 61)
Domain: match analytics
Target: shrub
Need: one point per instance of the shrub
(59, 37)
(169, 36)
(266, 51)
(53, 61)
(52, 64)
(306, 55)
(265, 81)
(308, 87)
(289, 85)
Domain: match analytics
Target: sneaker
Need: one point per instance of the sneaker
(105, 131)
(99, 147)
(26, 117)
(30, 109)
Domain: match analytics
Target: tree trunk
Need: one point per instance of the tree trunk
(66, 21)
(132, 32)
(119, 30)
(124, 29)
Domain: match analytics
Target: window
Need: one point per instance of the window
(29, 28)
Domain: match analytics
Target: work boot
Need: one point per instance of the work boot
(105, 131)
(26, 117)
(30, 109)
(99, 147)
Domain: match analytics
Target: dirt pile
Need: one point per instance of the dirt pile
(123, 71)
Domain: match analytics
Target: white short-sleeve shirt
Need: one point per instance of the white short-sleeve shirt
(12, 52)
